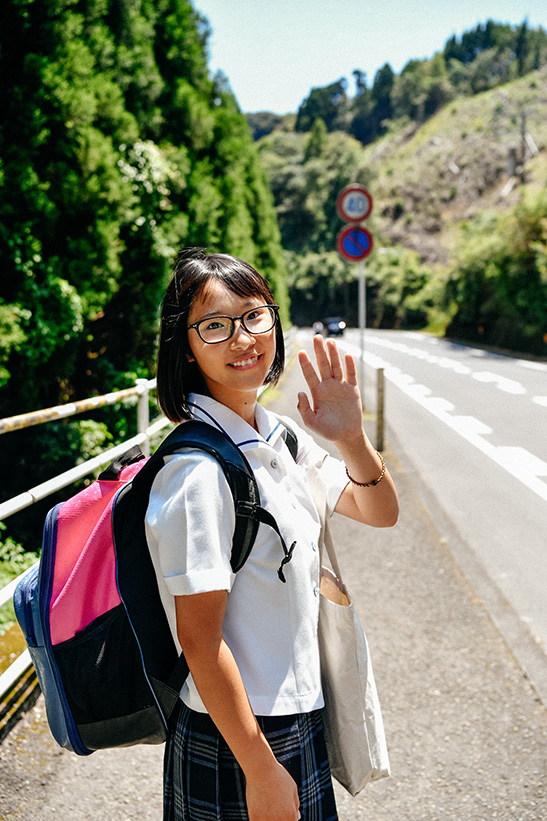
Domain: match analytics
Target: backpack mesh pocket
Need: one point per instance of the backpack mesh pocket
(92, 666)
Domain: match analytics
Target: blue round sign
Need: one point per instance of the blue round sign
(354, 242)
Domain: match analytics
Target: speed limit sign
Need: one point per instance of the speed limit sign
(354, 203)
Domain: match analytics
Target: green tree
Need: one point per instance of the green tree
(381, 97)
(522, 48)
(321, 285)
(327, 103)
(401, 290)
(361, 126)
(410, 91)
(422, 88)
(317, 142)
(499, 283)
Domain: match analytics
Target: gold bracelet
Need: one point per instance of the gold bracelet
(374, 481)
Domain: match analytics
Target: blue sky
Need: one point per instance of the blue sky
(274, 51)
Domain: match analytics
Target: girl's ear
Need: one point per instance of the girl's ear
(190, 358)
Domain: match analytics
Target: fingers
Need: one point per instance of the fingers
(322, 358)
(337, 370)
(330, 363)
(351, 370)
(308, 370)
(304, 407)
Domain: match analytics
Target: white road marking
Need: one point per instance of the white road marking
(419, 390)
(440, 404)
(468, 426)
(517, 461)
(504, 384)
(532, 366)
(523, 461)
(540, 400)
(511, 386)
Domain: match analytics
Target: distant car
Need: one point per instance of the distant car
(334, 326)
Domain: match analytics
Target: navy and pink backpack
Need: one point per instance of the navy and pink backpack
(91, 611)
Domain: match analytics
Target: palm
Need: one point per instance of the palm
(335, 409)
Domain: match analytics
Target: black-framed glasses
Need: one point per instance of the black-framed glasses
(215, 329)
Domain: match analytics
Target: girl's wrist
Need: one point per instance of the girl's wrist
(361, 458)
(258, 760)
(353, 443)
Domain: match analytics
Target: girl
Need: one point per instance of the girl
(247, 740)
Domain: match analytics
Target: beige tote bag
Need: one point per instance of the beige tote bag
(354, 728)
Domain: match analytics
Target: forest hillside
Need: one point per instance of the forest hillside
(430, 179)
(459, 219)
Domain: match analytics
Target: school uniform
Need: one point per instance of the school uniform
(270, 626)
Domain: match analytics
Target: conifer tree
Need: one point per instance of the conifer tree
(117, 149)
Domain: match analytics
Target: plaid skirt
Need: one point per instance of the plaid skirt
(204, 782)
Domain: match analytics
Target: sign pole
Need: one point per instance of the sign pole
(362, 326)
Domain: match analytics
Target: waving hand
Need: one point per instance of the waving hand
(335, 408)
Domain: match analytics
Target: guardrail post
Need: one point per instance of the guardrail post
(380, 410)
(143, 412)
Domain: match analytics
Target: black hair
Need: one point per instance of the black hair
(177, 377)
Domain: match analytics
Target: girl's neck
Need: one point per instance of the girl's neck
(247, 412)
(242, 404)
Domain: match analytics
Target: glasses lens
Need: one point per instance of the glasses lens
(216, 329)
(220, 328)
(259, 320)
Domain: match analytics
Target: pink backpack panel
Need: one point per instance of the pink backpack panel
(84, 579)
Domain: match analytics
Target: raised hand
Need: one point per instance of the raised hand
(335, 409)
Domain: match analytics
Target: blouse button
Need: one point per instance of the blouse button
(273, 463)
(313, 546)
(315, 590)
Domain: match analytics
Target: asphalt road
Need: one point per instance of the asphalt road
(473, 426)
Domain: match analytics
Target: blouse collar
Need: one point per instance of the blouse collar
(244, 435)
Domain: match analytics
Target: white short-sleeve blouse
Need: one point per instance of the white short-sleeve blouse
(270, 627)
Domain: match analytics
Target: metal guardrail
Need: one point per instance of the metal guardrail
(27, 420)
(18, 681)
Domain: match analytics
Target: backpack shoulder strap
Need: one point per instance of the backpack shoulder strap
(238, 472)
(112, 472)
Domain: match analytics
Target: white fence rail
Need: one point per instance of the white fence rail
(20, 667)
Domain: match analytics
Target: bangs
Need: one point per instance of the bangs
(236, 276)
